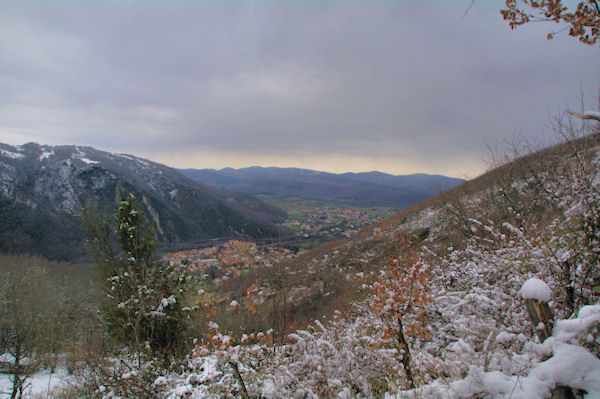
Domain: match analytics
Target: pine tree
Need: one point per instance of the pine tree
(142, 307)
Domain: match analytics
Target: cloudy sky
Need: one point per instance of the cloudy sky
(398, 86)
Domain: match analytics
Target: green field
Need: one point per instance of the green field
(295, 203)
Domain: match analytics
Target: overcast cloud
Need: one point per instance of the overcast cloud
(398, 86)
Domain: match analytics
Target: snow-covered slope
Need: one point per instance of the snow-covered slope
(43, 189)
(476, 255)
(435, 303)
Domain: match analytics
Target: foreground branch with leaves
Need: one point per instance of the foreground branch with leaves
(399, 297)
(583, 22)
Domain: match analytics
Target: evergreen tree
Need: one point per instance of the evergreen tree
(142, 306)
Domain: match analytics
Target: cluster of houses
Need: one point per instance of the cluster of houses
(227, 260)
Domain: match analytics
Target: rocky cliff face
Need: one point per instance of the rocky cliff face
(44, 190)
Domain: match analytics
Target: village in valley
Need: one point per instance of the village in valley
(306, 227)
(220, 262)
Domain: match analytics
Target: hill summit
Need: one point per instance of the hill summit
(44, 189)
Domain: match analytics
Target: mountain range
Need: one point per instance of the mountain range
(353, 189)
(45, 189)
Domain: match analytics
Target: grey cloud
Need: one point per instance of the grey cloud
(282, 78)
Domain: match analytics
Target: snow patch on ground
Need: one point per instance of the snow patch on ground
(12, 155)
(39, 383)
(45, 155)
(89, 161)
(132, 158)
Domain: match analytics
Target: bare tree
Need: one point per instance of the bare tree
(25, 321)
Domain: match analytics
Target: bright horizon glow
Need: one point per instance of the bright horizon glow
(333, 163)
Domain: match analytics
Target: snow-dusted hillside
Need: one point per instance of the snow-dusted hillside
(440, 308)
(438, 301)
(43, 189)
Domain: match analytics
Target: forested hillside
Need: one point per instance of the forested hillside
(45, 189)
(367, 189)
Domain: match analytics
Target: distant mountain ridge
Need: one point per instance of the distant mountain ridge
(355, 189)
(44, 189)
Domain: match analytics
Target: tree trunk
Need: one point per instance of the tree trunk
(16, 372)
(539, 312)
(569, 288)
(405, 357)
(236, 372)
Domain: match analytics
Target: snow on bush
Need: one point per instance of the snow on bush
(569, 365)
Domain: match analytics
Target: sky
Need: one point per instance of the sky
(342, 85)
